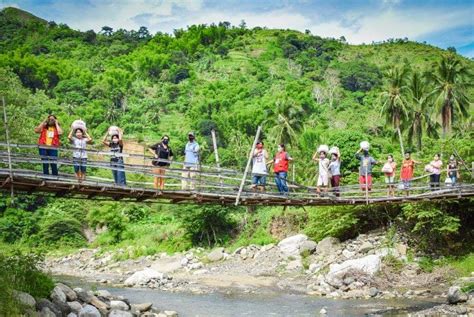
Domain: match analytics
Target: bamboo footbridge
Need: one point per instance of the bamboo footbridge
(21, 172)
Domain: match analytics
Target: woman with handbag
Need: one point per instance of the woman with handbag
(163, 155)
(389, 170)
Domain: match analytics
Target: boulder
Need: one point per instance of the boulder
(327, 245)
(369, 265)
(308, 246)
(71, 315)
(143, 307)
(25, 299)
(70, 294)
(456, 295)
(57, 295)
(120, 313)
(63, 307)
(143, 277)
(75, 306)
(100, 305)
(45, 303)
(291, 246)
(103, 293)
(118, 305)
(373, 291)
(216, 255)
(89, 311)
(170, 313)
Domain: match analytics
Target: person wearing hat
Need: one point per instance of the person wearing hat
(191, 163)
(49, 131)
(365, 168)
(259, 167)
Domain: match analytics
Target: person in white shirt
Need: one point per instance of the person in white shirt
(79, 139)
(259, 167)
(323, 172)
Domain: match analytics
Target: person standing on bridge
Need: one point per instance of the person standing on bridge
(452, 171)
(48, 142)
(435, 176)
(335, 172)
(365, 169)
(389, 169)
(116, 160)
(191, 163)
(79, 138)
(163, 155)
(259, 167)
(280, 168)
(323, 171)
(407, 171)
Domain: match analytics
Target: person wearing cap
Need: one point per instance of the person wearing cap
(365, 168)
(48, 142)
(259, 167)
(191, 163)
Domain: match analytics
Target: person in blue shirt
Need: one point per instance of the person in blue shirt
(191, 163)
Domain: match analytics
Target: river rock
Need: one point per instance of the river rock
(103, 293)
(141, 307)
(47, 312)
(43, 302)
(143, 277)
(100, 305)
(89, 311)
(456, 295)
(267, 247)
(327, 245)
(373, 291)
(75, 306)
(120, 313)
(184, 261)
(314, 267)
(25, 299)
(118, 305)
(170, 313)
(83, 295)
(294, 265)
(71, 315)
(308, 246)
(216, 255)
(57, 295)
(63, 307)
(70, 294)
(365, 247)
(291, 246)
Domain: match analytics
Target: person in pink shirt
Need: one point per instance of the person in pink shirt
(435, 176)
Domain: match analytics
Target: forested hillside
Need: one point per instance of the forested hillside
(305, 90)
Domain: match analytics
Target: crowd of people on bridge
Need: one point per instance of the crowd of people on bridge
(328, 160)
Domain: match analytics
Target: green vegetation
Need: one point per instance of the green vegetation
(304, 89)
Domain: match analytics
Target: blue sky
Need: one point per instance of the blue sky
(441, 23)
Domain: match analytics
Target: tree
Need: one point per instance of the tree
(421, 111)
(394, 104)
(285, 120)
(450, 78)
(143, 33)
(107, 30)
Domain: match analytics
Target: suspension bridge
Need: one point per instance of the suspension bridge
(21, 172)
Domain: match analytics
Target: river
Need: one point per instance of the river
(274, 304)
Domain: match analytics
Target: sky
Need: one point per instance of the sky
(438, 22)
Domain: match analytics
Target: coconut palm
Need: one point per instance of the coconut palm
(421, 113)
(451, 79)
(392, 100)
(285, 120)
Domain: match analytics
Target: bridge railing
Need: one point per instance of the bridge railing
(26, 161)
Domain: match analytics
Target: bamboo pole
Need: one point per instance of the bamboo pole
(7, 135)
(257, 135)
(216, 154)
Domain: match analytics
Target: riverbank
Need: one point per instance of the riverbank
(368, 267)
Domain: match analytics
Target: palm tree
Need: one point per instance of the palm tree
(450, 78)
(285, 120)
(421, 111)
(392, 99)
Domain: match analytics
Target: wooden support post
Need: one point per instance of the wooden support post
(242, 183)
(216, 154)
(7, 135)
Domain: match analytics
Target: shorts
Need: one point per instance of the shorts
(389, 179)
(406, 183)
(363, 181)
(79, 165)
(259, 180)
(323, 180)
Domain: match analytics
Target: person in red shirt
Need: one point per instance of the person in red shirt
(48, 143)
(280, 168)
(407, 171)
